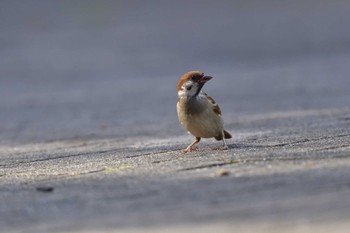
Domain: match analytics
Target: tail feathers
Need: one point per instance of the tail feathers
(226, 134)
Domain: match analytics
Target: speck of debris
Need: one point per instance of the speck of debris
(222, 173)
(44, 189)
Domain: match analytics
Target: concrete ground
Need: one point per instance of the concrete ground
(89, 137)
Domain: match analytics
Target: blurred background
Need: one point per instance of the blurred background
(96, 69)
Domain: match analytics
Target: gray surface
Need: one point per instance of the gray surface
(87, 100)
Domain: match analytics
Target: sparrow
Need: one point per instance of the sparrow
(198, 113)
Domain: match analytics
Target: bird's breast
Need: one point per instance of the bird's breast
(199, 118)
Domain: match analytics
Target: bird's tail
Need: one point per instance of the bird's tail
(226, 135)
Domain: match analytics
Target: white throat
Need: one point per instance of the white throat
(189, 89)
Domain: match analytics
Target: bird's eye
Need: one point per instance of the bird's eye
(189, 87)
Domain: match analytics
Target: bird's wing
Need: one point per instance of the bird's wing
(216, 108)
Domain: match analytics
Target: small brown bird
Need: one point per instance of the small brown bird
(198, 113)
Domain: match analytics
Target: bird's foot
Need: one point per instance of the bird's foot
(189, 149)
(225, 147)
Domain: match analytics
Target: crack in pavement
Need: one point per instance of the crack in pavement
(209, 166)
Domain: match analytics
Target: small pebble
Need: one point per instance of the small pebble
(222, 173)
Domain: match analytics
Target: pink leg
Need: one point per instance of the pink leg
(192, 147)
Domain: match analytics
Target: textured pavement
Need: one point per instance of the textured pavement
(89, 138)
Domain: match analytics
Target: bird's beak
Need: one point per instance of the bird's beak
(204, 79)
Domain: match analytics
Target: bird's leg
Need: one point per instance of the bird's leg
(223, 139)
(193, 146)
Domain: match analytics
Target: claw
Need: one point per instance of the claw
(189, 149)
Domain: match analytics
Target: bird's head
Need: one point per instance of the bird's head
(191, 83)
